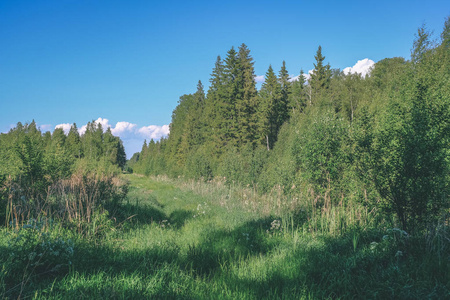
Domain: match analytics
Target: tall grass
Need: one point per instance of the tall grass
(305, 209)
(78, 201)
(210, 240)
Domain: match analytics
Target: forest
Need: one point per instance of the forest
(382, 140)
(329, 185)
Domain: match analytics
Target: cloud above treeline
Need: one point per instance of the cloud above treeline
(362, 67)
(124, 129)
(132, 136)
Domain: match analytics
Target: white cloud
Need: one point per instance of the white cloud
(362, 67)
(132, 136)
(308, 75)
(128, 130)
(104, 122)
(123, 128)
(65, 126)
(82, 130)
(260, 78)
(154, 132)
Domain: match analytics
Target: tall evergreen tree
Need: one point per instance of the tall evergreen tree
(213, 119)
(73, 142)
(194, 123)
(92, 140)
(58, 137)
(246, 98)
(229, 129)
(298, 96)
(282, 105)
(269, 96)
(320, 77)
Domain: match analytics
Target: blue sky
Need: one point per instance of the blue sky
(68, 61)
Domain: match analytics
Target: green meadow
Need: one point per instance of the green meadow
(174, 239)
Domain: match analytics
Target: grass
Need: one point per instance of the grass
(175, 239)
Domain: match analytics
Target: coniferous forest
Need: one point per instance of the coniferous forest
(329, 185)
(382, 139)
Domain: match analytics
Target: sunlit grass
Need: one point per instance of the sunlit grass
(191, 240)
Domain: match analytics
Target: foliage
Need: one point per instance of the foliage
(228, 242)
(33, 248)
(382, 139)
(408, 149)
(321, 151)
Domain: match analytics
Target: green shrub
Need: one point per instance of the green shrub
(198, 164)
(33, 250)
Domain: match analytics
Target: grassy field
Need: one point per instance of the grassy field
(191, 240)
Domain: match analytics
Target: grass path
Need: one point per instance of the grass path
(182, 245)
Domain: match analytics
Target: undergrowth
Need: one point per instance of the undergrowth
(173, 239)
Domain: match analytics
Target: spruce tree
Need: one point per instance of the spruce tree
(58, 137)
(282, 105)
(213, 119)
(194, 122)
(227, 108)
(269, 96)
(298, 96)
(246, 98)
(73, 142)
(320, 77)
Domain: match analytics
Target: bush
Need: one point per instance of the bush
(198, 164)
(33, 250)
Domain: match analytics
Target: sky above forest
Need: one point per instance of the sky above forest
(126, 63)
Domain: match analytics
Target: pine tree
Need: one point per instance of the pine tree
(213, 119)
(246, 98)
(320, 77)
(73, 142)
(269, 96)
(144, 148)
(298, 97)
(227, 107)
(92, 141)
(196, 121)
(58, 137)
(110, 146)
(282, 105)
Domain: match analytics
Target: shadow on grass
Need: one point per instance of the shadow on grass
(335, 268)
(320, 267)
(220, 248)
(179, 217)
(138, 211)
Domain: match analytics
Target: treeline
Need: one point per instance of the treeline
(25, 149)
(33, 163)
(383, 139)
